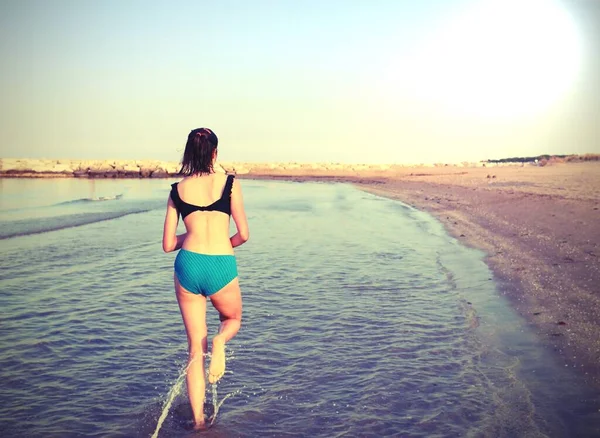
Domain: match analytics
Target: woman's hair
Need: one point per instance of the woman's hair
(198, 155)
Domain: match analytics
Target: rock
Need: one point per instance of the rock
(131, 168)
(101, 169)
(147, 167)
(241, 171)
(93, 164)
(127, 169)
(159, 173)
(173, 168)
(36, 166)
(103, 173)
(81, 166)
(61, 168)
(9, 165)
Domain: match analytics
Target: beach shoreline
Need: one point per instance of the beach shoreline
(538, 226)
(540, 231)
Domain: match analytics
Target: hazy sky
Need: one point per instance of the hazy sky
(348, 81)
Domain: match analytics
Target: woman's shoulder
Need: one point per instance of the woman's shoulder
(222, 178)
(183, 181)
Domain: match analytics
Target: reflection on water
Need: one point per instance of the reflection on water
(361, 318)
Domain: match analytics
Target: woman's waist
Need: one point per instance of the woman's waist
(211, 245)
(185, 252)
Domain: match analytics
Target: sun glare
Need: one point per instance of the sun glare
(499, 58)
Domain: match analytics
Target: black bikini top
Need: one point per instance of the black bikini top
(223, 204)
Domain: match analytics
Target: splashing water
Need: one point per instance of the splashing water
(216, 404)
(176, 390)
(215, 399)
(173, 392)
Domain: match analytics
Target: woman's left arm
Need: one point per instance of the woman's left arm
(172, 242)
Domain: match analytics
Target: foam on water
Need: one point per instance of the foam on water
(41, 224)
(92, 199)
(42, 215)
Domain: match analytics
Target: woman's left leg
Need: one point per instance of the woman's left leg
(228, 302)
(193, 312)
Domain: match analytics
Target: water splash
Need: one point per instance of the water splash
(216, 404)
(215, 399)
(92, 199)
(176, 390)
(173, 392)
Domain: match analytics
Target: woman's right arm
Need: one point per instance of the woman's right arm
(171, 241)
(239, 216)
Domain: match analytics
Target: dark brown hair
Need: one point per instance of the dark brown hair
(198, 155)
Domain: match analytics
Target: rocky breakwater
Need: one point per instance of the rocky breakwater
(14, 167)
(45, 168)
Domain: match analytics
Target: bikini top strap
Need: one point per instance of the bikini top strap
(228, 186)
(175, 195)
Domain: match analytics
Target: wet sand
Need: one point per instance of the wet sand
(540, 229)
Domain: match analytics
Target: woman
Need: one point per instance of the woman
(205, 266)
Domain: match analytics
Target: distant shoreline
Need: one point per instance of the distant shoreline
(41, 168)
(67, 168)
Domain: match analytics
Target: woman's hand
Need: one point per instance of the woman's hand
(239, 216)
(180, 240)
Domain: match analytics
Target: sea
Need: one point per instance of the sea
(362, 318)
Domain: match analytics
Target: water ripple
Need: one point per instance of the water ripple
(379, 327)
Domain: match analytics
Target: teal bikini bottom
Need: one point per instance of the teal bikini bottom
(204, 274)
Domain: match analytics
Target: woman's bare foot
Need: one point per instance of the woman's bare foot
(217, 360)
(200, 425)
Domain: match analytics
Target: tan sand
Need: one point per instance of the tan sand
(540, 228)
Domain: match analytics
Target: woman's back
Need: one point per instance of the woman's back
(207, 230)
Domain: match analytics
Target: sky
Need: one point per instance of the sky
(384, 81)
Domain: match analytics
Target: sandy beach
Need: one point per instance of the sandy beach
(538, 226)
(540, 229)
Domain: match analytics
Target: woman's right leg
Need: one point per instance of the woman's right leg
(193, 312)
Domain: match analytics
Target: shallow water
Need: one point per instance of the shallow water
(362, 317)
